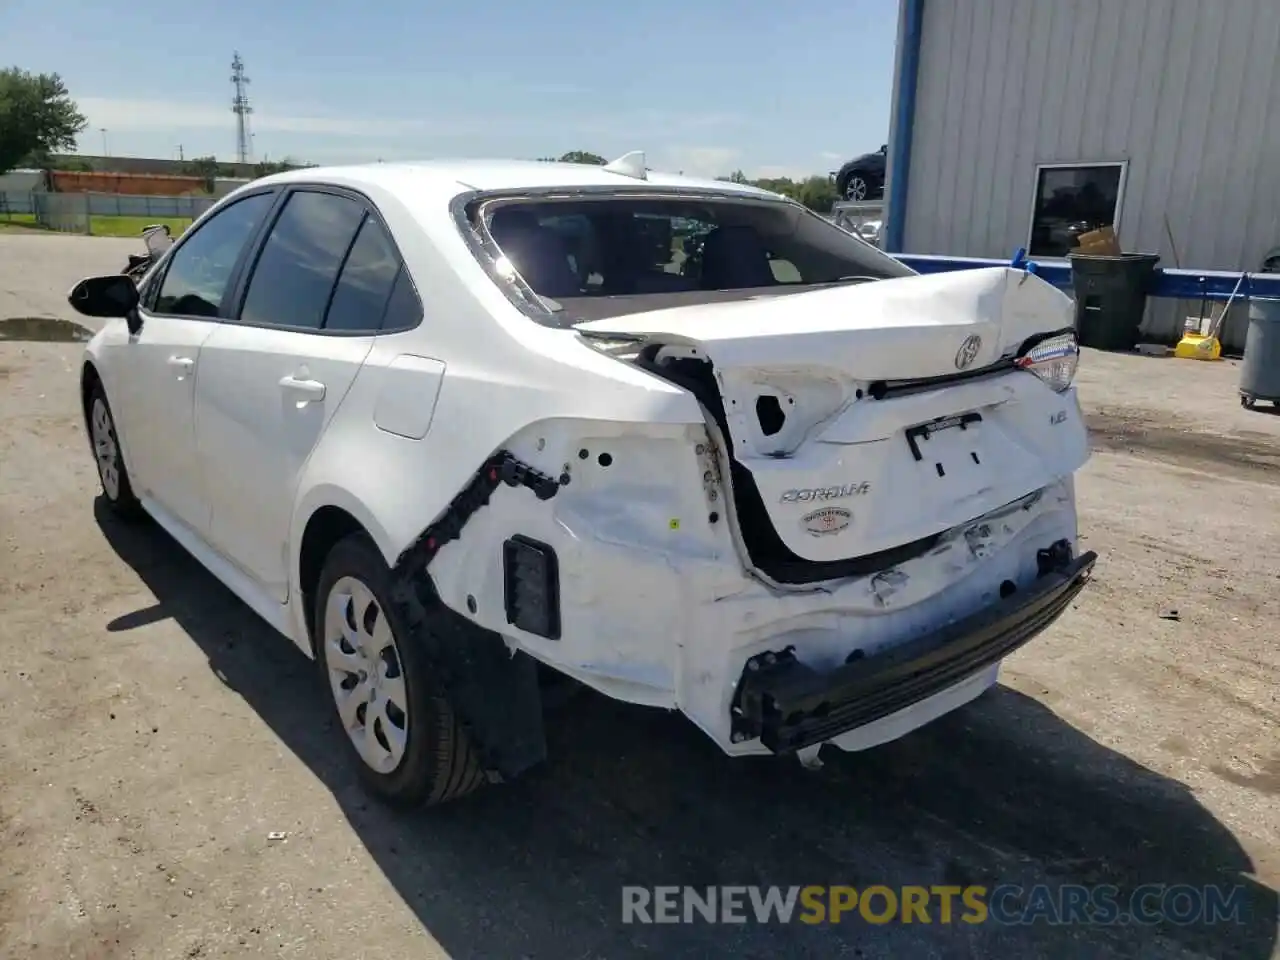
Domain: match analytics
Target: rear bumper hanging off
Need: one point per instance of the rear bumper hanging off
(790, 706)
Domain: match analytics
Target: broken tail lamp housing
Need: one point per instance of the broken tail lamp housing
(531, 586)
(1054, 360)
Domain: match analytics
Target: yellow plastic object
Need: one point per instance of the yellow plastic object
(1197, 346)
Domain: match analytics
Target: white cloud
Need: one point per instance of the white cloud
(775, 171)
(140, 115)
(696, 161)
(663, 135)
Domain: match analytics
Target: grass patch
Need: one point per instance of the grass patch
(101, 226)
(19, 221)
(132, 226)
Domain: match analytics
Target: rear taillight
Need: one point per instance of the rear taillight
(1053, 360)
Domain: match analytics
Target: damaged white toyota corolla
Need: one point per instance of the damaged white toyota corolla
(459, 428)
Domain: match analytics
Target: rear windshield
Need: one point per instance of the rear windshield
(605, 256)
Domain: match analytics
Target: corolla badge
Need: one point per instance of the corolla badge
(809, 494)
(826, 521)
(968, 351)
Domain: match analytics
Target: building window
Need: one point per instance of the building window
(1072, 199)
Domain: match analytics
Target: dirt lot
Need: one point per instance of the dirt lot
(156, 737)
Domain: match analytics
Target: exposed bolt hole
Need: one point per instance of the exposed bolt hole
(564, 479)
(938, 467)
(769, 413)
(975, 458)
(714, 517)
(583, 454)
(471, 603)
(857, 394)
(1008, 589)
(604, 459)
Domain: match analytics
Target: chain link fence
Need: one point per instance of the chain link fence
(75, 212)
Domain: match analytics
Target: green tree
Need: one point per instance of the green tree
(70, 164)
(207, 169)
(583, 156)
(817, 193)
(37, 118)
(265, 168)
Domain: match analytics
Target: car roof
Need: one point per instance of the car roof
(458, 176)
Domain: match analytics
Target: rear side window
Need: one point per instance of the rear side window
(299, 263)
(404, 309)
(195, 279)
(365, 284)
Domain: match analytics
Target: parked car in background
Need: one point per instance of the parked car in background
(862, 178)
(456, 428)
(870, 231)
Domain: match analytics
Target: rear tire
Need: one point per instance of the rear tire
(408, 745)
(112, 474)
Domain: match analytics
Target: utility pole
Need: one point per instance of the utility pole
(240, 107)
(181, 155)
(106, 149)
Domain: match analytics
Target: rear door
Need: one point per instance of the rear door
(272, 378)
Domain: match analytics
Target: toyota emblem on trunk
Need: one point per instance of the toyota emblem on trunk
(968, 351)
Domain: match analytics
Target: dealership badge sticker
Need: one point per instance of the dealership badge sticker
(827, 521)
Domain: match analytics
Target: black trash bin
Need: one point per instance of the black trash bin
(1111, 297)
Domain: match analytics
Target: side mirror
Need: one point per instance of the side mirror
(884, 148)
(114, 295)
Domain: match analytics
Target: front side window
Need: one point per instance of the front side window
(584, 253)
(196, 277)
(1070, 201)
(300, 260)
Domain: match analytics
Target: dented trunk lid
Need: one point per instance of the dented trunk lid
(844, 462)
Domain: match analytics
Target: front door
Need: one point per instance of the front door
(161, 362)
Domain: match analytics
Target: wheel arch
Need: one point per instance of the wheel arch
(89, 378)
(497, 696)
(327, 521)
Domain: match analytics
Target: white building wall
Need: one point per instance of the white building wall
(1187, 91)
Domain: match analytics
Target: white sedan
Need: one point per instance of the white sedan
(455, 428)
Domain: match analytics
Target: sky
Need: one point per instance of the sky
(702, 86)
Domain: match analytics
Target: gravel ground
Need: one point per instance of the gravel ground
(172, 786)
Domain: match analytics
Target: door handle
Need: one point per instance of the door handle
(181, 365)
(311, 389)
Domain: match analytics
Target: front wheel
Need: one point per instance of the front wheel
(104, 438)
(408, 745)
